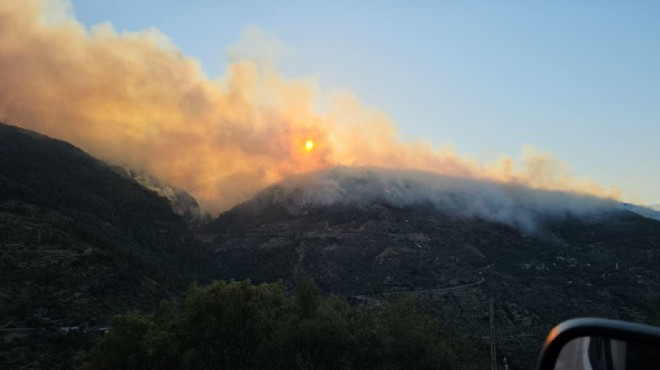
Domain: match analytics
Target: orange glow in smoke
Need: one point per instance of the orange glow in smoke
(135, 98)
(309, 145)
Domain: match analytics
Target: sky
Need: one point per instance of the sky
(580, 80)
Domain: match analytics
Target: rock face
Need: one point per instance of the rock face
(574, 265)
(182, 203)
(78, 243)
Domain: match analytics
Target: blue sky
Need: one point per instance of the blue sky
(579, 80)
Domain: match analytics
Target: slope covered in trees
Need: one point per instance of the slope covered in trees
(604, 265)
(78, 244)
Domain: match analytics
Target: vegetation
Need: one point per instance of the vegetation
(238, 325)
(79, 243)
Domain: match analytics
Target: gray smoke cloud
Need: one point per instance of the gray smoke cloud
(518, 206)
(134, 98)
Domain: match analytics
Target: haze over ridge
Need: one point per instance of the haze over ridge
(134, 98)
(518, 206)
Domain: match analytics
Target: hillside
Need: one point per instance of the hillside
(81, 241)
(598, 260)
(78, 243)
(182, 203)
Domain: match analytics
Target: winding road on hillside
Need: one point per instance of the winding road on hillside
(371, 297)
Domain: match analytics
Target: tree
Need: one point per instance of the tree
(238, 325)
(307, 296)
(123, 346)
(226, 324)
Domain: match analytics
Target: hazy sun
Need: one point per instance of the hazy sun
(309, 145)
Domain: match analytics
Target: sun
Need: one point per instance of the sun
(309, 145)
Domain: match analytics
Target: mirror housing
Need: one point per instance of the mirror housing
(563, 333)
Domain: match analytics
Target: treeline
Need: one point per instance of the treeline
(238, 325)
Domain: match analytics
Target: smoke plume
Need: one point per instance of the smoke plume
(521, 207)
(133, 98)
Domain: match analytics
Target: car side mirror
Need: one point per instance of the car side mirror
(601, 344)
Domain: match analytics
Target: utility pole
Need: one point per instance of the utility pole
(493, 355)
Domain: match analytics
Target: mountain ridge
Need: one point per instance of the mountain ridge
(78, 244)
(183, 204)
(82, 240)
(513, 204)
(371, 249)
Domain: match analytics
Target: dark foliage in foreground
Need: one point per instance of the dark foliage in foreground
(238, 325)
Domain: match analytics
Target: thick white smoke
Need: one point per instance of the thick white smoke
(134, 98)
(518, 206)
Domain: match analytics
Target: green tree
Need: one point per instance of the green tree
(226, 324)
(123, 347)
(238, 325)
(321, 338)
(307, 296)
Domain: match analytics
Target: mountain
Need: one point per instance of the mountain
(183, 204)
(81, 240)
(79, 243)
(646, 211)
(373, 234)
